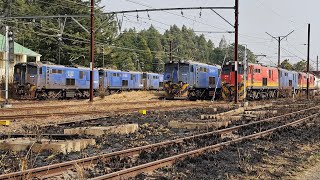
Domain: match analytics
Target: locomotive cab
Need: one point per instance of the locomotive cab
(25, 78)
(228, 80)
(228, 73)
(176, 79)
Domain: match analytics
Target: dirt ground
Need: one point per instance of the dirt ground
(289, 154)
(312, 172)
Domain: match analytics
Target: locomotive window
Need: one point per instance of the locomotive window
(32, 69)
(191, 68)
(226, 70)
(40, 70)
(133, 76)
(114, 74)
(56, 71)
(270, 73)
(81, 74)
(70, 82)
(212, 81)
(205, 69)
(101, 73)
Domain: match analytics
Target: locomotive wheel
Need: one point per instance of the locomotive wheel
(86, 94)
(51, 95)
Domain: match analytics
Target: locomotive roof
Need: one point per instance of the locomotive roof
(193, 62)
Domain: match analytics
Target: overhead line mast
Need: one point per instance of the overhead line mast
(279, 39)
(91, 49)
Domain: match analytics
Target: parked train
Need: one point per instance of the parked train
(47, 81)
(191, 79)
(263, 82)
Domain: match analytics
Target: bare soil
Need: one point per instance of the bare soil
(278, 156)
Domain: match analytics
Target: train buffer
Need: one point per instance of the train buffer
(5, 122)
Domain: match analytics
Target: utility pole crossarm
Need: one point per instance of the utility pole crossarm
(286, 35)
(272, 36)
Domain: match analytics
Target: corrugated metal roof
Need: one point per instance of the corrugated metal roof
(18, 49)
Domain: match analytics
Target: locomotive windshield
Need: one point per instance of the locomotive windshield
(176, 72)
(230, 68)
(32, 69)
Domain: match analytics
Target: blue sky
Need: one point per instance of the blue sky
(256, 17)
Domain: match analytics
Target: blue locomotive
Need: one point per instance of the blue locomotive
(112, 81)
(47, 81)
(192, 80)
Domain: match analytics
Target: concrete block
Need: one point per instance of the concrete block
(21, 144)
(99, 131)
(259, 107)
(261, 112)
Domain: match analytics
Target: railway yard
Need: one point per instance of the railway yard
(160, 139)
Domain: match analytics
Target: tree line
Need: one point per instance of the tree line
(64, 41)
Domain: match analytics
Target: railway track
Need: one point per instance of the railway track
(75, 105)
(120, 110)
(149, 167)
(58, 169)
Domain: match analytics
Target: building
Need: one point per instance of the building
(21, 54)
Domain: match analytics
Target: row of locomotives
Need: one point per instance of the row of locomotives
(114, 81)
(191, 80)
(46, 81)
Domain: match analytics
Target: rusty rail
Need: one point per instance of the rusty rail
(73, 105)
(21, 116)
(149, 167)
(56, 169)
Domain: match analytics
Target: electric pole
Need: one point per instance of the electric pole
(91, 49)
(8, 56)
(171, 58)
(317, 63)
(236, 27)
(308, 61)
(279, 39)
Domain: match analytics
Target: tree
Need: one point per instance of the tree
(44, 36)
(223, 43)
(286, 65)
(230, 53)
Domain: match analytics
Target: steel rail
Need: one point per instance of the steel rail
(149, 167)
(72, 105)
(21, 116)
(53, 170)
